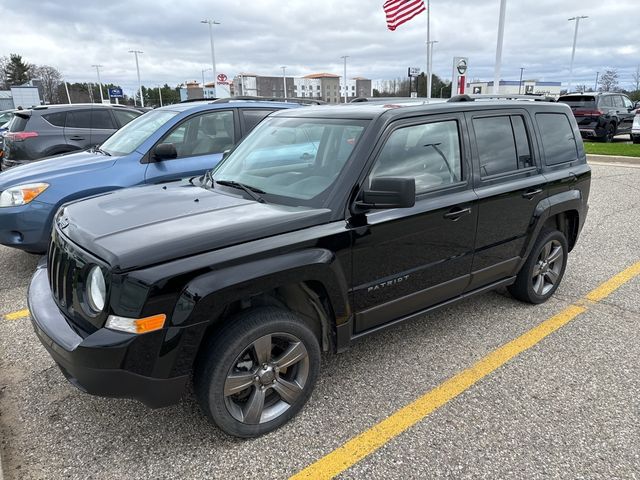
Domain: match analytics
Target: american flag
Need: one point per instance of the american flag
(401, 11)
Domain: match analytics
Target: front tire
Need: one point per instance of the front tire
(258, 372)
(542, 273)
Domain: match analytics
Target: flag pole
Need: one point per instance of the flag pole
(428, 49)
(496, 73)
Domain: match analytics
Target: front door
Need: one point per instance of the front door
(405, 260)
(200, 141)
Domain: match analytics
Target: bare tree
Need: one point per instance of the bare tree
(636, 79)
(51, 80)
(609, 81)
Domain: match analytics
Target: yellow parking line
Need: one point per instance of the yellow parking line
(17, 315)
(377, 436)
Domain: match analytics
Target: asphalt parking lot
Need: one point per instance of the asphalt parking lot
(565, 408)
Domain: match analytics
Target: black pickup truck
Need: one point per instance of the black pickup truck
(324, 225)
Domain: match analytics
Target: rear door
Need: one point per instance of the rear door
(77, 128)
(509, 184)
(200, 141)
(102, 125)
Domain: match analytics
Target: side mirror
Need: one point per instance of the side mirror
(389, 192)
(165, 151)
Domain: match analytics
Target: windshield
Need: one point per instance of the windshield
(297, 159)
(134, 133)
(577, 101)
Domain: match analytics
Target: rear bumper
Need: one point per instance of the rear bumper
(92, 363)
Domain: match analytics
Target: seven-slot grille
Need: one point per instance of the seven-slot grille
(62, 271)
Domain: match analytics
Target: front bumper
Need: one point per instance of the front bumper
(27, 227)
(93, 363)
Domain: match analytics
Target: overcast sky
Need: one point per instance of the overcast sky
(260, 36)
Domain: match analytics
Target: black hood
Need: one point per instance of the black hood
(143, 226)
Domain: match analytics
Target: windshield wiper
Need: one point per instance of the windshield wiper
(253, 192)
(99, 150)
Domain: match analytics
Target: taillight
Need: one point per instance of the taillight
(588, 113)
(20, 136)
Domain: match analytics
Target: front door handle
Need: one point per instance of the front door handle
(457, 212)
(76, 138)
(529, 194)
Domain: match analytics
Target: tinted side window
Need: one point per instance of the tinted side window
(605, 101)
(430, 153)
(523, 147)
(617, 102)
(123, 117)
(253, 118)
(56, 119)
(496, 145)
(557, 138)
(101, 120)
(78, 119)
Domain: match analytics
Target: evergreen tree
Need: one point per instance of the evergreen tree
(17, 71)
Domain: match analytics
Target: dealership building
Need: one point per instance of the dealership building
(514, 87)
(321, 86)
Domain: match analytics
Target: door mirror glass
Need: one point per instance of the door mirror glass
(165, 151)
(389, 192)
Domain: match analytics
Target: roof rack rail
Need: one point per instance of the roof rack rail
(526, 97)
(246, 98)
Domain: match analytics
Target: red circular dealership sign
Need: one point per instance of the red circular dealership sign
(222, 77)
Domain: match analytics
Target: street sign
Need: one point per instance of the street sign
(414, 72)
(116, 93)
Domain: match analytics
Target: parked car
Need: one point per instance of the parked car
(635, 129)
(5, 118)
(50, 130)
(601, 116)
(162, 145)
(244, 276)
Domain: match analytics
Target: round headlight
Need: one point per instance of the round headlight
(96, 289)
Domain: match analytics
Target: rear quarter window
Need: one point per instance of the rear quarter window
(56, 119)
(558, 139)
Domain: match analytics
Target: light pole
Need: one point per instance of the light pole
(520, 84)
(160, 94)
(213, 55)
(284, 81)
(595, 89)
(573, 50)
(430, 67)
(203, 71)
(136, 52)
(99, 81)
(344, 57)
(496, 73)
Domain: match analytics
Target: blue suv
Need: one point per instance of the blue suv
(163, 145)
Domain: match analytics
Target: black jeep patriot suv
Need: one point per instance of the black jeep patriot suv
(324, 225)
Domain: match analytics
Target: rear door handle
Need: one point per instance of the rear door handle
(457, 212)
(529, 194)
(76, 137)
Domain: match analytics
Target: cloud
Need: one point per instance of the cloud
(310, 36)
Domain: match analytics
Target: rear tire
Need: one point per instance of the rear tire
(258, 372)
(542, 273)
(609, 134)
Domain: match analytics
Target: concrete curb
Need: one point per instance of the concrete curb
(613, 159)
